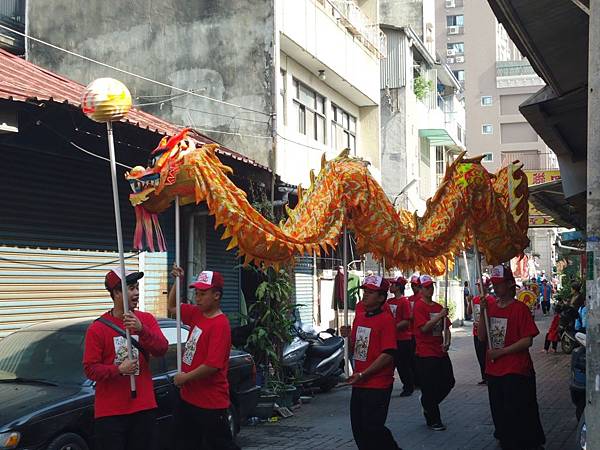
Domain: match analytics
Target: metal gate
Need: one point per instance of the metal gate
(43, 284)
(304, 288)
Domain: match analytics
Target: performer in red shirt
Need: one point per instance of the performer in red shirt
(201, 419)
(415, 285)
(400, 309)
(123, 422)
(480, 347)
(373, 342)
(509, 369)
(434, 369)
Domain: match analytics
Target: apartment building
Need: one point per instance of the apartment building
(423, 121)
(496, 80)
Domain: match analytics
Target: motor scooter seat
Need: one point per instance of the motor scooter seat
(327, 347)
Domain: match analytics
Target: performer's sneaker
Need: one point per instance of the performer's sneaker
(437, 427)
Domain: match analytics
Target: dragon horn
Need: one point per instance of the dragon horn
(323, 161)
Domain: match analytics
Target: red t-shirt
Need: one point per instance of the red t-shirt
(371, 336)
(507, 326)
(476, 308)
(428, 344)
(400, 309)
(411, 301)
(208, 343)
(360, 308)
(105, 349)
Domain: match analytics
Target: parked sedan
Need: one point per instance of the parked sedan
(48, 403)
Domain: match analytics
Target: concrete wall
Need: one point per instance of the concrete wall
(220, 49)
(400, 13)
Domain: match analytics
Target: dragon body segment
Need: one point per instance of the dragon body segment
(469, 202)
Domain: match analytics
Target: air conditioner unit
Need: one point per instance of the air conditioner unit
(450, 3)
(449, 60)
(460, 59)
(450, 52)
(453, 30)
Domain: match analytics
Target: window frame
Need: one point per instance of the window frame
(347, 131)
(491, 103)
(484, 125)
(485, 157)
(451, 46)
(302, 115)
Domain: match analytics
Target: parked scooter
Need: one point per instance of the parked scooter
(314, 359)
(566, 329)
(577, 387)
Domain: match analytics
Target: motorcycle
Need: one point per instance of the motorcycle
(313, 359)
(566, 329)
(577, 387)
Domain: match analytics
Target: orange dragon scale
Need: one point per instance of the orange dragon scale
(469, 202)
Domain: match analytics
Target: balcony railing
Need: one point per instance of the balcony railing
(513, 68)
(532, 160)
(12, 15)
(349, 14)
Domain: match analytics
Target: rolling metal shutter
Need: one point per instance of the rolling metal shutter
(154, 283)
(227, 263)
(43, 284)
(304, 288)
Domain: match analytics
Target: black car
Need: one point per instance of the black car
(46, 402)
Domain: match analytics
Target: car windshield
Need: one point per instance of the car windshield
(51, 356)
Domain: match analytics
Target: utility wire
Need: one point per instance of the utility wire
(47, 266)
(78, 147)
(150, 80)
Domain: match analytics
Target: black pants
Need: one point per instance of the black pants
(548, 342)
(404, 364)
(413, 361)
(515, 412)
(126, 432)
(437, 380)
(200, 428)
(368, 413)
(480, 351)
(545, 306)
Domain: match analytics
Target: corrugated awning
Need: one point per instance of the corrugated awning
(437, 136)
(550, 199)
(23, 81)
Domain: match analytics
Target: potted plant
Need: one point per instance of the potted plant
(272, 313)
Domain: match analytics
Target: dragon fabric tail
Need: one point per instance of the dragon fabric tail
(145, 224)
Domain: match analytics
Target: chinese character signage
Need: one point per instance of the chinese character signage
(537, 218)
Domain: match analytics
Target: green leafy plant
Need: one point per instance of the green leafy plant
(273, 322)
(422, 87)
(564, 294)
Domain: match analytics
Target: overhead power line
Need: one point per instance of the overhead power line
(141, 77)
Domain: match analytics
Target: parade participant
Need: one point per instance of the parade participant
(201, 419)
(509, 368)
(434, 369)
(373, 344)
(467, 300)
(123, 422)
(480, 347)
(415, 285)
(400, 309)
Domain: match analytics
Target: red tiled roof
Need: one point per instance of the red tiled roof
(21, 81)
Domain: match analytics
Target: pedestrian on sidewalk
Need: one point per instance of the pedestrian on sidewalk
(122, 422)
(434, 369)
(467, 300)
(509, 368)
(373, 344)
(400, 309)
(552, 334)
(480, 347)
(201, 420)
(546, 293)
